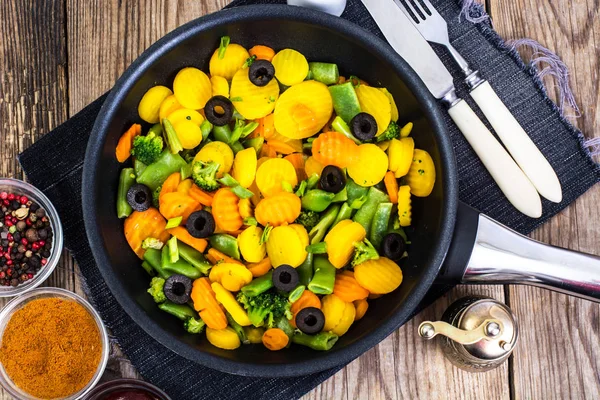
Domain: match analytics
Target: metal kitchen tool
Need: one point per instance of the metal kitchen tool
(417, 52)
(480, 333)
(434, 28)
(333, 7)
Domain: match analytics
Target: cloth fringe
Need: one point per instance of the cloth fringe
(473, 12)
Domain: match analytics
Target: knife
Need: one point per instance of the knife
(416, 51)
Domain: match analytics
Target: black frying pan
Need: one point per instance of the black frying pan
(478, 249)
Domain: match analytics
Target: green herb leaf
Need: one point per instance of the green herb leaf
(249, 62)
(265, 235)
(236, 99)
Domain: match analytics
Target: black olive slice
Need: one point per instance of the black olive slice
(393, 246)
(364, 127)
(139, 197)
(285, 278)
(200, 224)
(219, 111)
(310, 320)
(178, 288)
(261, 72)
(332, 179)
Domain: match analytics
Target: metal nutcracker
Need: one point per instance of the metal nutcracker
(480, 333)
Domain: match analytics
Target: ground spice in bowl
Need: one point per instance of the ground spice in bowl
(51, 347)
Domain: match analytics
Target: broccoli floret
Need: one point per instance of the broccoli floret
(193, 325)
(364, 251)
(147, 148)
(308, 219)
(152, 243)
(205, 175)
(392, 132)
(156, 289)
(265, 308)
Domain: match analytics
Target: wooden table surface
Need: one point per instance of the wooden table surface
(59, 55)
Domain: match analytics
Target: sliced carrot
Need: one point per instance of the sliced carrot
(200, 196)
(173, 205)
(262, 52)
(185, 186)
(297, 160)
(205, 302)
(170, 185)
(225, 210)
(391, 185)
(214, 256)
(267, 151)
(361, 308)
(347, 288)
(266, 127)
(341, 79)
(275, 339)
(281, 147)
(260, 268)
(182, 234)
(123, 150)
(141, 225)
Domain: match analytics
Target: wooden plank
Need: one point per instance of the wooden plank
(33, 82)
(404, 366)
(558, 356)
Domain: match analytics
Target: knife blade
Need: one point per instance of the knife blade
(406, 40)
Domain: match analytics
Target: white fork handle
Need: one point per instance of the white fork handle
(519, 144)
(510, 178)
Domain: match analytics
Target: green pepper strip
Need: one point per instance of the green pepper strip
(226, 244)
(317, 248)
(259, 285)
(340, 196)
(181, 311)
(154, 258)
(138, 167)
(206, 127)
(365, 214)
(237, 328)
(222, 134)
(324, 276)
(317, 233)
(340, 126)
(305, 270)
(186, 171)
(321, 341)
(158, 172)
(256, 143)
(317, 200)
(355, 192)
(380, 223)
(148, 268)
(172, 250)
(181, 267)
(172, 139)
(345, 213)
(312, 181)
(126, 180)
(194, 257)
(296, 293)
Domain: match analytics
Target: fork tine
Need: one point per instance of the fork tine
(407, 8)
(419, 8)
(432, 9)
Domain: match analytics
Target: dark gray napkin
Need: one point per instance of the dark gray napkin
(58, 173)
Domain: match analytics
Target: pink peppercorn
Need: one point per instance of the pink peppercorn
(30, 276)
(8, 223)
(10, 237)
(23, 200)
(10, 197)
(28, 222)
(9, 262)
(44, 261)
(24, 241)
(3, 195)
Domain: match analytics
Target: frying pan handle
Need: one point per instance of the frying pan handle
(486, 252)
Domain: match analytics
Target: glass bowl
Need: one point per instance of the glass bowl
(18, 303)
(103, 391)
(25, 189)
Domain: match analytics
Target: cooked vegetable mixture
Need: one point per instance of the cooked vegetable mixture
(267, 199)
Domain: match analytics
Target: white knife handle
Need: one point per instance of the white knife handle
(519, 144)
(510, 178)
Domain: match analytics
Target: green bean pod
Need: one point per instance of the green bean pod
(365, 214)
(305, 270)
(321, 341)
(324, 276)
(226, 244)
(326, 73)
(181, 311)
(379, 225)
(126, 180)
(345, 213)
(259, 285)
(194, 257)
(154, 258)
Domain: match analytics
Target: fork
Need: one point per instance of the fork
(433, 28)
